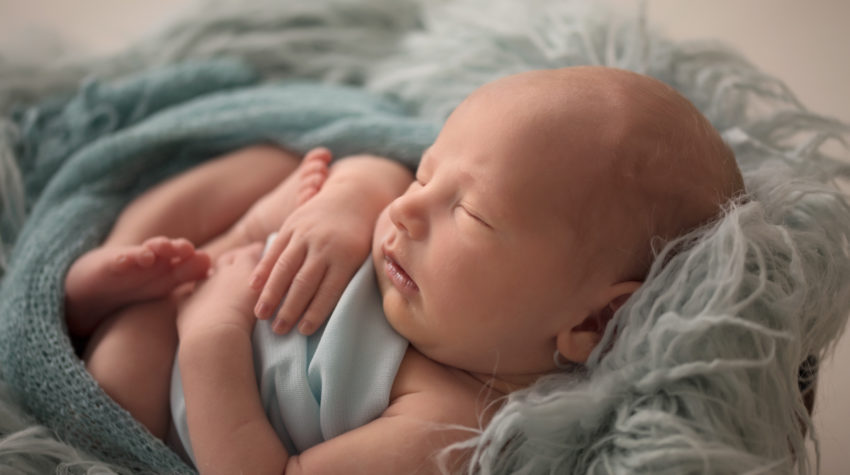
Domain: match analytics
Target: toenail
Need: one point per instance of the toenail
(147, 257)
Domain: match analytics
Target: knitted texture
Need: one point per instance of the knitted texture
(79, 175)
(701, 370)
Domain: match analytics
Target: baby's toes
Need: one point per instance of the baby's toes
(143, 257)
(158, 245)
(125, 261)
(307, 190)
(183, 248)
(169, 249)
(314, 166)
(320, 155)
(309, 183)
(317, 170)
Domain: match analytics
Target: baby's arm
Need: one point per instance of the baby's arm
(227, 425)
(431, 407)
(229, 429)
(320, 246)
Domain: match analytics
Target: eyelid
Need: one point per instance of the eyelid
(474, 215)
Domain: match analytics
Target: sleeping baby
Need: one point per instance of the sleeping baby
(530, 221)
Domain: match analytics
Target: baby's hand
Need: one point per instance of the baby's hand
(223, 299)
(315, 254)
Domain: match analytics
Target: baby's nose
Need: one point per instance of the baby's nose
(407, 214)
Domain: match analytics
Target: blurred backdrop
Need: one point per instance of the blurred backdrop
(803, 43)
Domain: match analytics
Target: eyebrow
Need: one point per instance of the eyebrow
(480, 203)
(480, 206)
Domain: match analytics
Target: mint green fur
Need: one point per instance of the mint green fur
(701, 376)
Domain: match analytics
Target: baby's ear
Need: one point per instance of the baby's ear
(576, 343)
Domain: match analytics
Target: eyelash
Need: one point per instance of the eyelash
(418, 180)
(473, 215)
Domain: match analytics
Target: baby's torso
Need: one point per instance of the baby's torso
(317, 387)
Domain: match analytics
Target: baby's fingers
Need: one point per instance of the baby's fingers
(324, 301)
(301, 292)
(267, 263)
(281, 275)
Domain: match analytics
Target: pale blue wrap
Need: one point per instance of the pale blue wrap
(320, 386)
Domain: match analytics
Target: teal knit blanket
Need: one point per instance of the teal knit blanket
(85, 157)
(701, 371)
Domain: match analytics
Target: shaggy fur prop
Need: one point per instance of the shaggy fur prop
(701, 368)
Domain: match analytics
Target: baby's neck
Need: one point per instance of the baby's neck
(503, 385)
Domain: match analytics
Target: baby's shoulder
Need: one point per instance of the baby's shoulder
(426, 389)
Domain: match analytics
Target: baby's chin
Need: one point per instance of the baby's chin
(392, 302)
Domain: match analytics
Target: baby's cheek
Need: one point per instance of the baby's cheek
(383, 222)
(382, 228)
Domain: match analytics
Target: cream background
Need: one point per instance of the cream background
(804, 43)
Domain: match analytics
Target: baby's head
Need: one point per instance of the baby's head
(533, 213)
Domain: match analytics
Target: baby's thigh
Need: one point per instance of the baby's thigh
(131, 355)
(203, 202)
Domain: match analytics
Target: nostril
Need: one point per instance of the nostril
(396, 215)
(408, 214)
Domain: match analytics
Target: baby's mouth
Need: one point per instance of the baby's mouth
(397, 274)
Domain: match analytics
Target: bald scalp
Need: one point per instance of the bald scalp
(670, 170)
(643, 161)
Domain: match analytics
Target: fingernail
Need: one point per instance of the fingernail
(261, 311)
(279, 326)
(305, 328)
(255, 282)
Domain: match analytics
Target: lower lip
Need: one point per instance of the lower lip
(399, 278)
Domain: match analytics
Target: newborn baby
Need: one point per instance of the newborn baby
(531, 220)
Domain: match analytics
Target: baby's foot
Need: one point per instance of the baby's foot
(267, 215)
(108, 278)
(312, 173)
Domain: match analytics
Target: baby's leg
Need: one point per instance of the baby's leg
(131, 355)
(130, 351)
(114, 275)
(205, 201)
(110, 277)
(196, 205)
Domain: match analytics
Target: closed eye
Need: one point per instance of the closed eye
(474, 216)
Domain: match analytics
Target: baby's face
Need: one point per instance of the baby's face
(478, 261)
(531, 216)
